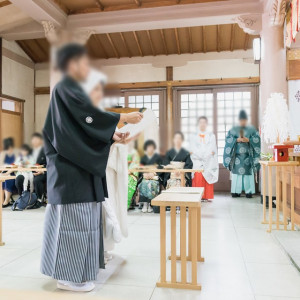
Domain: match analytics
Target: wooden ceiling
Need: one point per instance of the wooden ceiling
(37, 49)
(200, 39)
(89, 6)
(4, 3)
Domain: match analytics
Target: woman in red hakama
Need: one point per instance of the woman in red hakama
(199, 181)
(204, 156)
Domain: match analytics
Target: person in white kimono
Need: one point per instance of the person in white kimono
(115, 225)
(205, 157)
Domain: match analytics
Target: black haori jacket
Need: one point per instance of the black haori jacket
(78, 138)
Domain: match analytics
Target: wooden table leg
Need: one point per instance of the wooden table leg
(194, 245)
(1, 202)
(182, 179)
(284, 198)
(162, 244)
(173, 245)
(264, 193)
(277, 197)
(293, 198)
(183, 243)
(270, 198)
(199, 257)
(189, 234)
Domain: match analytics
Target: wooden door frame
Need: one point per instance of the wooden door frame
(214, 89)
(163, 123)
(20, 113)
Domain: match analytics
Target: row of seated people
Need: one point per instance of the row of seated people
(25, 156)
(150, 184)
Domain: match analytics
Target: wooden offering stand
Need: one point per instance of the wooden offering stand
(281, 192)
(184, 198)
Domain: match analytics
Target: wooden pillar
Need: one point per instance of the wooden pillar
(170, 119)
(0, 93)
(169, 73)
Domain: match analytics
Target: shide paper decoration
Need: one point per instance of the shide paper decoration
(276, 123)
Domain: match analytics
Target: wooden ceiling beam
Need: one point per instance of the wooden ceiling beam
(138, 43)
(40, 48)
(112, 45)
(135, 4)
(138, 3)
(203, 39)
(5, 3)
(218, 39)
(151, 43)
(246, 41)
(190, 40)
(27, 50)
(232, 37)
(62, 6)
(99, 4)
(177, 40)
(178, 83)
(99, 42)
(125, 44)
(164, 41)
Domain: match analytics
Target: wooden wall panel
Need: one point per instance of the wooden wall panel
(293, 69)
(12, 126)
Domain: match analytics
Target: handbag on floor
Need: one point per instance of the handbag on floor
(26, 201)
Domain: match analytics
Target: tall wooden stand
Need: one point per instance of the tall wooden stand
(281, 193)
(175, 197)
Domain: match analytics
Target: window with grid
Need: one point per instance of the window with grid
(229, 105)
(193, 105)
(114, 101)
(145, 101)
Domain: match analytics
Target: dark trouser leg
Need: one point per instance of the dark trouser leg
(19, 183)
(39, 183)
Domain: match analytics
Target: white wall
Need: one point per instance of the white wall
(143, 69)
(186, 67)
(18, 81)
(210, 69)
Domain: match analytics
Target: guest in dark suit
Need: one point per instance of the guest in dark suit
(40, 178)
(178, 154)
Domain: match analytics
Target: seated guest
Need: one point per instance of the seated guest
(8, 157)
(150, 186)
(24, 160)
(205, 157)
(178, 154)
(38, 157)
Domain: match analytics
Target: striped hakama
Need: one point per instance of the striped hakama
(73, 242)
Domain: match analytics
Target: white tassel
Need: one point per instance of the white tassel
(276, 123)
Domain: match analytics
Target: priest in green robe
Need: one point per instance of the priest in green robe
(241, 156)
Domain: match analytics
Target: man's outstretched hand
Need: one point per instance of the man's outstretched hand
(132, 118)
(120, 137)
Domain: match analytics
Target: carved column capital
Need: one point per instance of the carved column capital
(82, 36)
(51, 32)
(251, 24)
(59, 36)
(277, 12)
